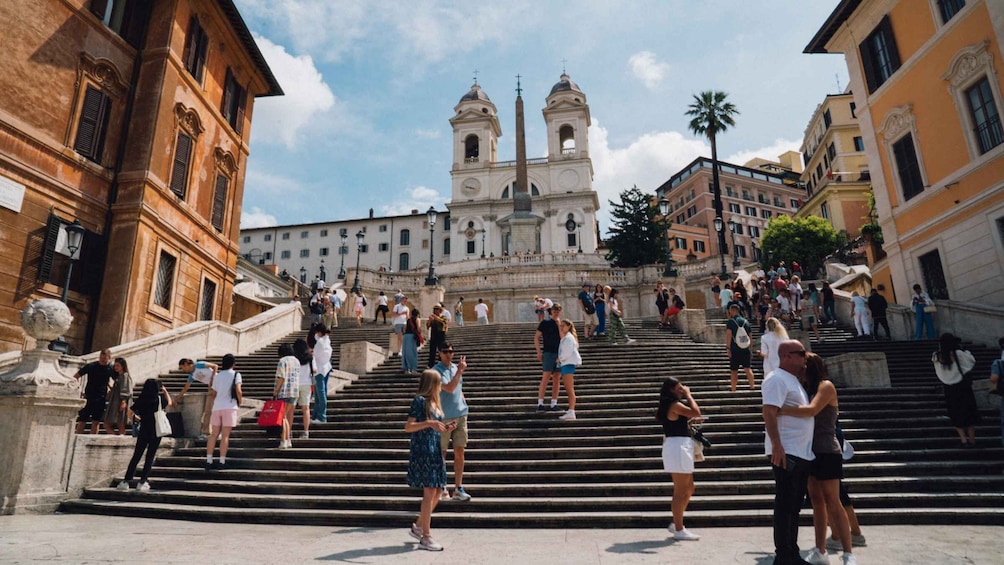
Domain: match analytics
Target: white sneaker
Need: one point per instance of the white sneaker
(570, 415)
(415, 532)
(672, 528)
(817, 558)
(305, 435)
(858, 540)
(143, 487)
(848, 559)
(123, 485)
(630, 341)
(428, 544)
(685, 535)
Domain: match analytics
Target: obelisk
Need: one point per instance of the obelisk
(521, 196)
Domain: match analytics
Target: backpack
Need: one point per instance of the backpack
(742, 338)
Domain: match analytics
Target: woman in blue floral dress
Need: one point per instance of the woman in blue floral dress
(426, 468)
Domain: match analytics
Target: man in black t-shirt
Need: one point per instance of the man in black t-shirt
(877, 304)
(95, 392)
(546, 340)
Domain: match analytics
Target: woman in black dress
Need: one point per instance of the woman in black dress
(153, 397)
(951, 363)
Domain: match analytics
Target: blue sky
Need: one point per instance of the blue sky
(370, 87)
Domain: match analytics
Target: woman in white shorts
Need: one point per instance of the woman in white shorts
(306, 358)
(676, 408)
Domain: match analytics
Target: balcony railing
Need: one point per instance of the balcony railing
(990, 134)
(507, 164)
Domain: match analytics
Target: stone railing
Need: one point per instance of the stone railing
(562, 259)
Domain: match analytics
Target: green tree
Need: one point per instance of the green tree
(807, 240)
(712, 115)
(636, 237)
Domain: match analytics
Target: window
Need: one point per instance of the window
(196, 46)
(285, 255)
(754, 231)
(425, 244)
(824, 210)
(343, 232)
(179, 172)
(751, 211)
(304, 234)
(570, 237)
(93, 125)
(383, 228)
(343, 250)
(323, 252)
(219, 201)
(949, 8)
(746, 194)
(831, 150)
(383, 247)
(765, 214)
(246, 239)
(470, 248)
(285, 235)
(364, 248)
(879, 55)
(446, 246)
(165, 280)
(268, 237)
(234, 102)
(304, 253)
(741, 251)
(402, 262)
(446, 222)
(827, 120)
(933, 274)
(908, 167)
(699, 246)
(124, 17)
(859, 143)
(795, 203)
(267, 256)
(206, 308)
(729, 191)
(986, 119)
(819, 171)
(681, 243)
(680, 218)
(405, 237)
(691, 211)
(739, 229)
(734, 208)
(324, 233)
(854, 109)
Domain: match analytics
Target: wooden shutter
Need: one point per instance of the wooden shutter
(98, 8)
(93, 121)
(200, 53)
(868, 63)
(219, 201)
(179, 172)
(228, 91)
(242, 97)
(890, 42)
(49, 251)
(191, 43)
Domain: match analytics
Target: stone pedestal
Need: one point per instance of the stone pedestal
(429, 296)
(359, 357)
(690, 320)
(859, 370)
(39, 405)
(192, 408)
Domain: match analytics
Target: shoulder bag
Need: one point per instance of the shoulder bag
(161, 423)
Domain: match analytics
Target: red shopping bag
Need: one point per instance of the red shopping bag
(271, 414)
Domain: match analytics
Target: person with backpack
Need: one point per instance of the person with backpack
(737, 345)
(951, 364)
(997, 383)
(227, 397)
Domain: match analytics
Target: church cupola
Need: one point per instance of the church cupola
(567, 119)
(476, 130)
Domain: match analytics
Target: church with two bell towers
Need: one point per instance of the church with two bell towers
(529, 205)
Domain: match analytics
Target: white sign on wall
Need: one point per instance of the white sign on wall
(11, 194)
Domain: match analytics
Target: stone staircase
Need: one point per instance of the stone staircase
(527, 469)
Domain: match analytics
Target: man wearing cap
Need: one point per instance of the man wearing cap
(546, 341)
(437, 332)
(451, 398)
(588, 309)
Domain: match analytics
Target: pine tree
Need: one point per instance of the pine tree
(636, 237)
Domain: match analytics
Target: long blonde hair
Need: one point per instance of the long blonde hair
(571, 329)
(775, 327)
(429, 385)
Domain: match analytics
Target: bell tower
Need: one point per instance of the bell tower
(476, 130)
(567, 119)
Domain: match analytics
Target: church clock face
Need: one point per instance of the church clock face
(470, 233)
(471, 186)
(570, 225)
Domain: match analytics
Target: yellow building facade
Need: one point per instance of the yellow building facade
(927, 83)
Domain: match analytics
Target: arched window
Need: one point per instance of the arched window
(472, 149)
(534, 191)
(566, 136)
(405, 237)
(402, 263)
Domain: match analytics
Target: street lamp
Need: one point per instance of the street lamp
(670, 269)
(343, 252)
(733, 226)
(322, 274)
(719, 226)
(303, 275)
(359, 251)
(578, 236)
(431, 280)
(482, 243)
(74, 238)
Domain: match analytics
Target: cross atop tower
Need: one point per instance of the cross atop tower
(563, 61)
(475, 76)
(519, 90)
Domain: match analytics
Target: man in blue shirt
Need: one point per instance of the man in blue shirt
(454, 406)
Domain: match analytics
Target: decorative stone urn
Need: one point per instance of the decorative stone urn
(39, 404)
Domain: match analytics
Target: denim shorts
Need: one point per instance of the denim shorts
(549, 362)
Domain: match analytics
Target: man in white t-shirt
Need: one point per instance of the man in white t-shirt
(789, 444)
(481, 311)
(227, 398)
(399, 319)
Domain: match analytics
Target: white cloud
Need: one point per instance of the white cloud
(416, 198)
(279, 119)
(257, 218)
(260, 182)
(770, 152)
(429, 133)
(647, 69)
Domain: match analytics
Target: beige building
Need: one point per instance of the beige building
(836, 175)
(752, 194)
(132, 119)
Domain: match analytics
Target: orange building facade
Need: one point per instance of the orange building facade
(927, 83)
(132, 118)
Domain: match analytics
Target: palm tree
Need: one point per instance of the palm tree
(713, 115)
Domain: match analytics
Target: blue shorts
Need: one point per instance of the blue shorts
(549, 362)
(567, 370)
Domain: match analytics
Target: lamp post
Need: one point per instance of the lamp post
(74, 238)
(482, 243)
(431, 280)
(303, 275)
(359, 251)
(322, 274)
(733, 226)
(719, 227)
(343, 252)
(756, 251)
(670, 269)
(578, 236)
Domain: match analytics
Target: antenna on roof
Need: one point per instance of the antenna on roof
(837, 76)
